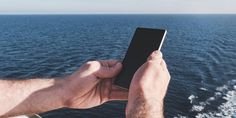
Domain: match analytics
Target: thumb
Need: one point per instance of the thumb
(155, 56)
(107, 70)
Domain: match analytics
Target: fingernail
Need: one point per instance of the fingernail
(156, 52)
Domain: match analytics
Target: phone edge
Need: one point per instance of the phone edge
(162, 40)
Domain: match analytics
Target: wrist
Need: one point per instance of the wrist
(63, 91)
(145, 107)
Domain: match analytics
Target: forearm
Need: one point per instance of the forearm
(142, 107)
(30, 96)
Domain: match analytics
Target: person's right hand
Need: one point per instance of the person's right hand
(148, 88)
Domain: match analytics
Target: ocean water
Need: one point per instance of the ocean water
(199, 50)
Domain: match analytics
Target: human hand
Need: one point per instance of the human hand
(148, 88)
(92, 85)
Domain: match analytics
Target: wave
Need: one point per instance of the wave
(227, 109)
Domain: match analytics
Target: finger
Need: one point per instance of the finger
(163, 65)
(118, 94)
(155, 56)
(109, 63)
(109, 71)
(115, 87)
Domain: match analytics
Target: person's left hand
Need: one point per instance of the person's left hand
(92, 85)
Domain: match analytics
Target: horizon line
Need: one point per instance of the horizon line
(116, 13)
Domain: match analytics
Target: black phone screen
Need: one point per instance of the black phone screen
(144, 42)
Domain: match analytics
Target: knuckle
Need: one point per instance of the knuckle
(91, 65)
(168, 74)
(149, 62)
(143, 84)
(153, 65)
(90, 62)
(144, 87)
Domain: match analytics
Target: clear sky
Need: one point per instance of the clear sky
(116, 6)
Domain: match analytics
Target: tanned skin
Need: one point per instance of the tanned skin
(91, 85)
(148, 89)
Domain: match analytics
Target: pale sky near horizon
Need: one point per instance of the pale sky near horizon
(116, 6)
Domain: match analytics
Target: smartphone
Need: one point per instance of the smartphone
(144, 42)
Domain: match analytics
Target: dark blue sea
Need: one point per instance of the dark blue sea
(200, 51)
